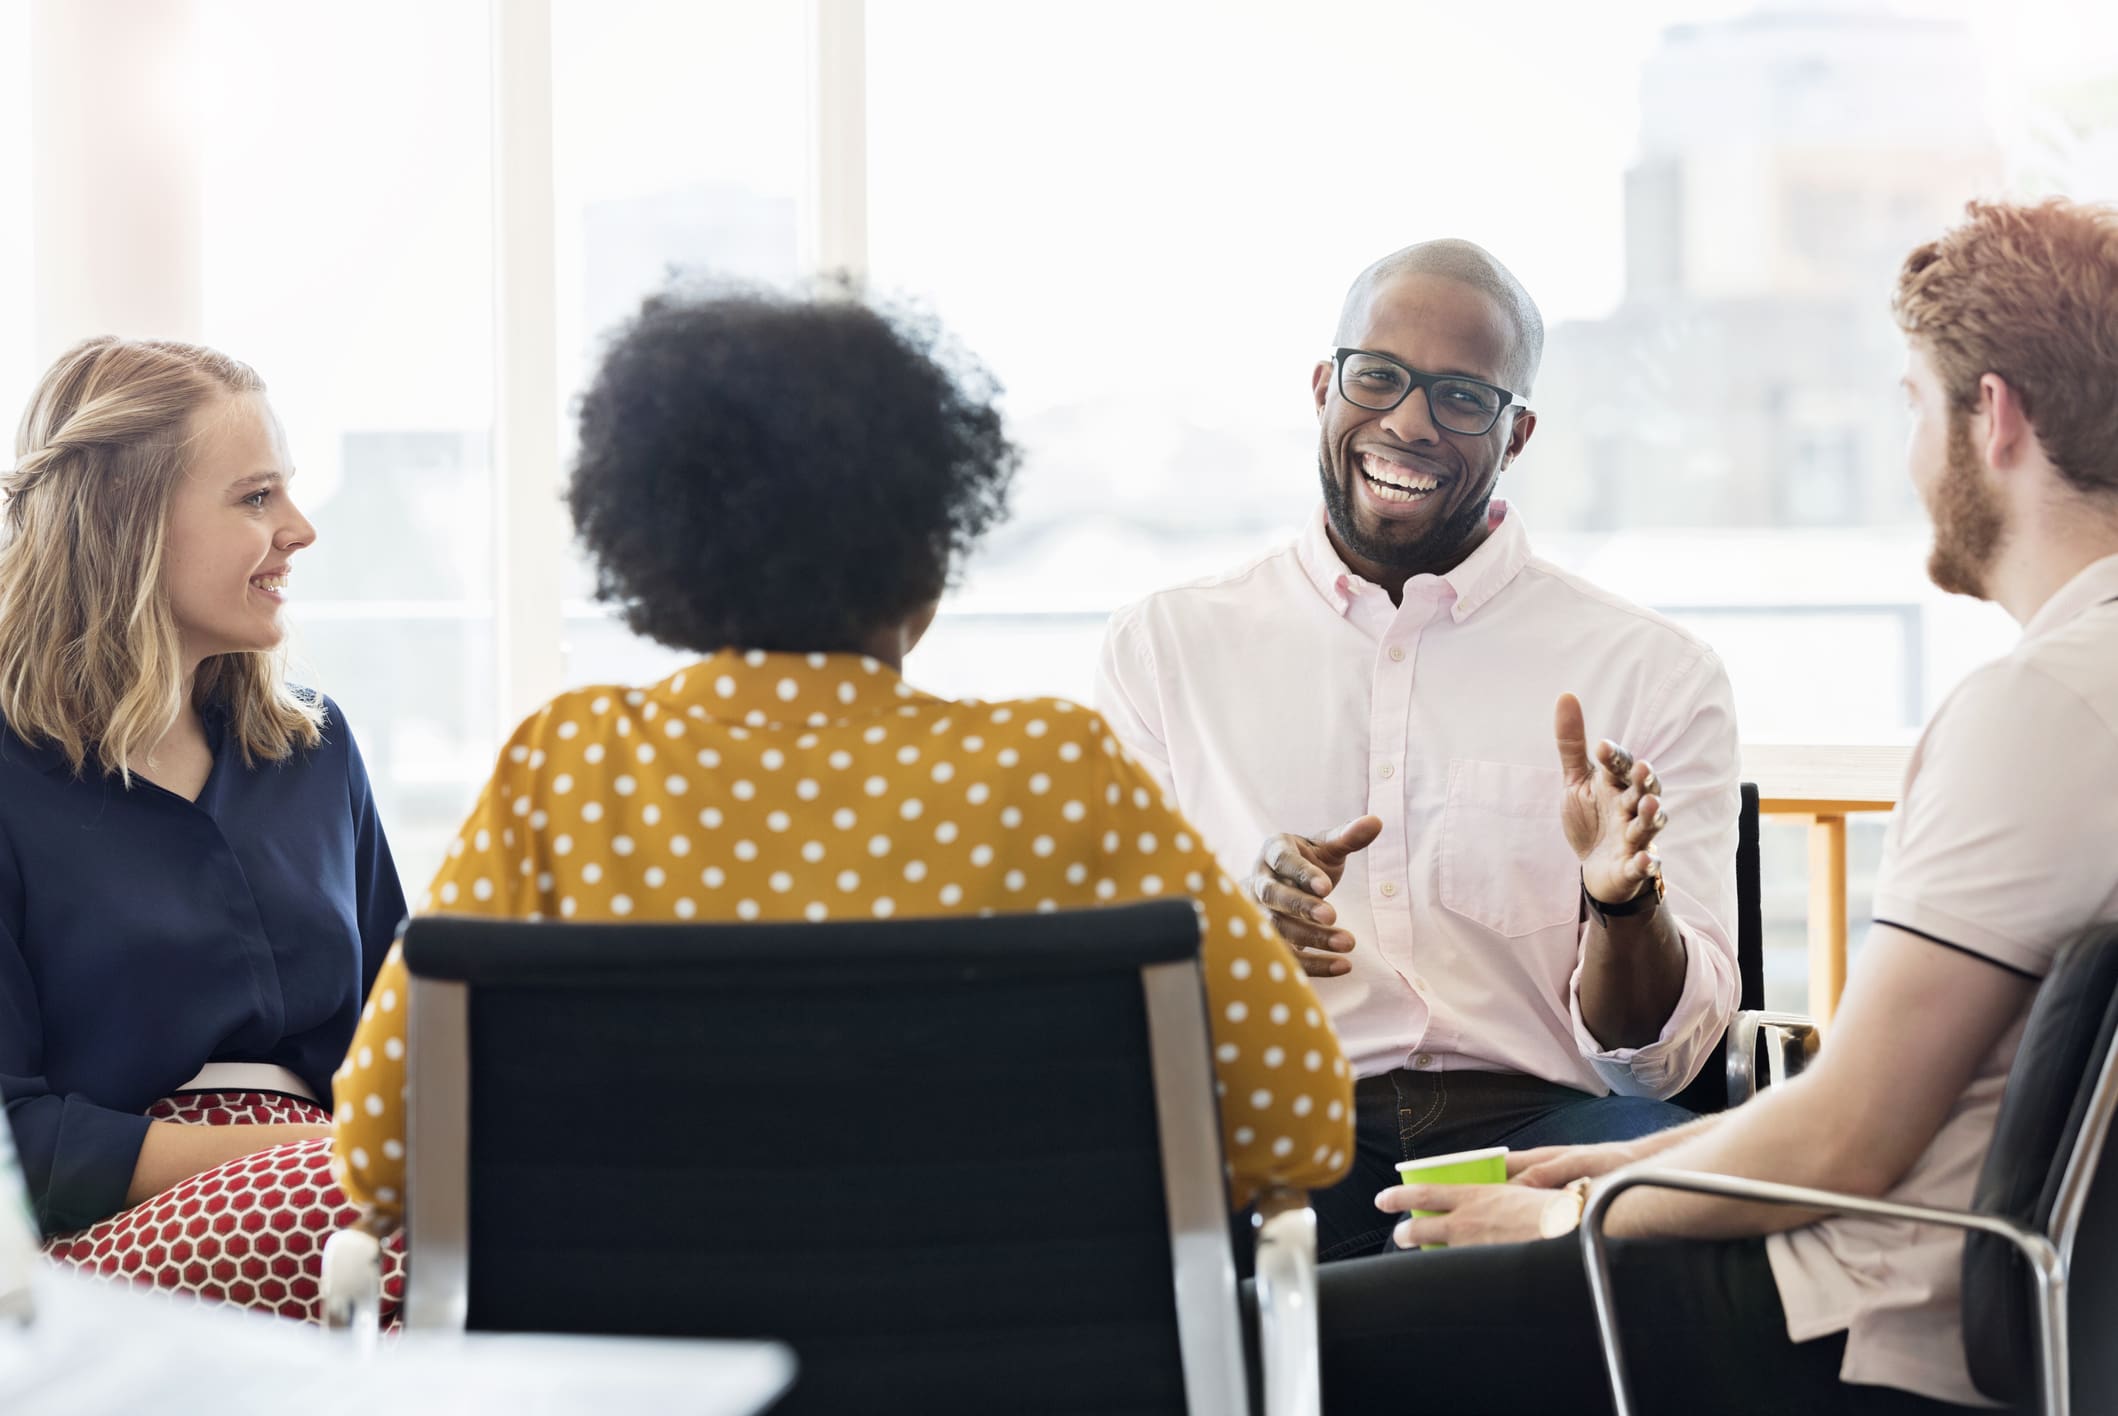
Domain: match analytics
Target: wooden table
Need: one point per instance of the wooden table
(1824, 785)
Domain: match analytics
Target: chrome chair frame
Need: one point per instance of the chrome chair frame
(2050, 1256)
(1209, 1323)
(1791, 1038)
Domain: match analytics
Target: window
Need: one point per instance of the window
(329, 224)
(679, 145)
(1709, 201)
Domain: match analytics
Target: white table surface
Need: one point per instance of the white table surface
(95, 1348)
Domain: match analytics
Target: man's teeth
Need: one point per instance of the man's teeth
(1393, 482)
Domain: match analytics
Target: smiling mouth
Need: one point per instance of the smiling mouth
(1396, 482)
(270, 584)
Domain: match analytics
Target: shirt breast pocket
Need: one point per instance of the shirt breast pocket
(1505, 863)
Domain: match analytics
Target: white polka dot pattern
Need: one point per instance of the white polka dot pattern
(824, 787)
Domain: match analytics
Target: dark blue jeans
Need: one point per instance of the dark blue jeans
(1405, 1115)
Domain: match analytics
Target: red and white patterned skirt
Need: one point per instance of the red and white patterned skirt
(250, 1231)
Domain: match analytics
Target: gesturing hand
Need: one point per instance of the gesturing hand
(1612, 809)
(1292, 876)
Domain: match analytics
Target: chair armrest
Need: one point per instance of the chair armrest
(352, 1278)
(1790, 1038)
(1286, 1291)
(2043, 1258)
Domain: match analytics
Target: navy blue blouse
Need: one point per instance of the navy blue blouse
(143, 936)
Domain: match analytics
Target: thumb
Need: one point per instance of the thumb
(1357, 834)
(1571, 733)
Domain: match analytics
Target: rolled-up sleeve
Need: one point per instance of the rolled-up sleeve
(1689, 735)
(78, 1157)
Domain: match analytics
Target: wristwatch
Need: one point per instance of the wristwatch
(1562, 1212)
(1649, 897)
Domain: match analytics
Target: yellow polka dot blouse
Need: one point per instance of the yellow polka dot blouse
(759, 786)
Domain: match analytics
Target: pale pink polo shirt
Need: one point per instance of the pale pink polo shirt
(1291, 695)
(2000, 846)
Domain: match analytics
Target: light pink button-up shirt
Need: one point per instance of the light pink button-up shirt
(1292, 695)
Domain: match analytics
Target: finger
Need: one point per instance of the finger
(1617, 762)
(1300, 934)
(1547, 1175)
(1571, 733)
(1522, 1160)
(1398, 1199)
(1641, 867)
(1286, 902)
(1415, 1232)
(1356, 835)
(1283, 857)
(1317, 965)
(1648, 821)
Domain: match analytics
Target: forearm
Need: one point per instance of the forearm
(1632, 974)
(171, 1153)
(1778, 1137)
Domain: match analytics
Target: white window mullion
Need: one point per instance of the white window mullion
(834, 227)
(530, 557)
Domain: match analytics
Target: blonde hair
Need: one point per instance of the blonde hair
(90, 657)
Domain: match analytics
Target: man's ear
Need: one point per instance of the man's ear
(2008, 437)
(1519, 435)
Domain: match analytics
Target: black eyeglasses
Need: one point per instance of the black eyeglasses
(1379, 383)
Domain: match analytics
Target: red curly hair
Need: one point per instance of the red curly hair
(2030, 293)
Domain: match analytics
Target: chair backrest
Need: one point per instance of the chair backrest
(2050, 1143)
(1709, 1090)
(19, 1236)
(967, 1164)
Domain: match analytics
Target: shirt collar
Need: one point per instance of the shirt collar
(1484, 573)
(760, 689)
(2095, 583)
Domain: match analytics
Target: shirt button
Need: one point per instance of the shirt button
(1423, 1061)
(1389, 889)
(1397, 653)
(1386, 771)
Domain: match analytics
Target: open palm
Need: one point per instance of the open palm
(1611, 809)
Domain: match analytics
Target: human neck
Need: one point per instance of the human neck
(888, 647)
(2038, 563)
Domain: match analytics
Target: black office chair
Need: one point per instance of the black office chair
(958, 1165)
(2036, 1208)
(1758, 1047)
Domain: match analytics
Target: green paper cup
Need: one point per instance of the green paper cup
(1477, 1167)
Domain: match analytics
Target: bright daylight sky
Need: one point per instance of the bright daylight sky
(348, 179)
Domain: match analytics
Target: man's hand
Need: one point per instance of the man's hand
(1612, 810)
(1292, 876)
(1550, 1167)
(1464, 1216)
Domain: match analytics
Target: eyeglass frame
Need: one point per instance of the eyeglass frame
(1423, 382)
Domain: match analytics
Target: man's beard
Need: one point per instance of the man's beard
(1438, 551)
(1969, 524)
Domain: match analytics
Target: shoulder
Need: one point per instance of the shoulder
(2079, 660)
(2041, 688)
(1592, 602)
(1672, 659)
(1236, 591)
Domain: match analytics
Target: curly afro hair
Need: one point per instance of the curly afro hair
(783, 473)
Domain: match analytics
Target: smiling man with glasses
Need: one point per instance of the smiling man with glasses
(1521, 939)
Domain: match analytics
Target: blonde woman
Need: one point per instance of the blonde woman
(195, 891)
